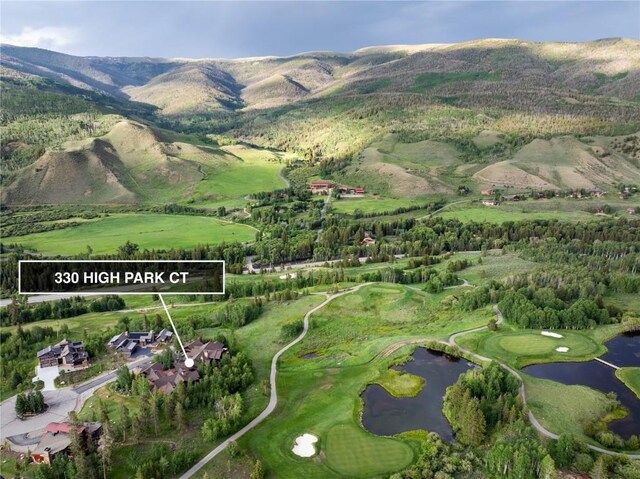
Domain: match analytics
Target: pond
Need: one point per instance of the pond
(624, 350)
(385, 415)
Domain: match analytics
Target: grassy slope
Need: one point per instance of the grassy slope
(554, 405)
(254, 171)
(149, 231)
(631, 377)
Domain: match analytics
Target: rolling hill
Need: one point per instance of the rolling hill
(404, 121)
(131, 164)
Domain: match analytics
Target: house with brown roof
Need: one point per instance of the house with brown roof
(205, 352)
(166, 380)
(321, 186)
(57, 440)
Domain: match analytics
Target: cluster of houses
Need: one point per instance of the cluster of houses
(165, 381)
(65, 354)
(57, 440)
(322, 187)
(127, 343)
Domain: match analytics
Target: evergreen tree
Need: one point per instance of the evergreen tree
(472, 423)
(181, 419)
(258, 470)
(105, 450)
(599, 469)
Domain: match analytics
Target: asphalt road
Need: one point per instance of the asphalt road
(61, 402)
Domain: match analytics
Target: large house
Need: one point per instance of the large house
(205, 352)
(65, 353)
(127, 343)
(165, 381)
(57, 440)
(322, 187)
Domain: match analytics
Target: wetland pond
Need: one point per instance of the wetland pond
(624, 350)
(385, 415)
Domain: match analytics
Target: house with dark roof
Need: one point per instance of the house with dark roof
(206, 352)
(127, 343)
(65, 353)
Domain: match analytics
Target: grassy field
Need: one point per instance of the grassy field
(374, 204)
(555, 405)
(254, 170)
(631, 377)
(149, 231)
(522, 347)
(504, 213)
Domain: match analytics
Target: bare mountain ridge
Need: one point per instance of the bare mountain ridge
(609, 68)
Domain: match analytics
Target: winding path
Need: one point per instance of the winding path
(444, 207)
(283, 178)
(273, 398)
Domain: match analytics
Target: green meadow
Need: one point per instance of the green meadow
(227, 184)
(502, 213)
(149, 231)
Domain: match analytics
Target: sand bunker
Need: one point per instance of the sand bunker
(562, 349)
(550, 334)
(304, 446)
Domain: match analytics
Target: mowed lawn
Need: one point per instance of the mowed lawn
(631, 377)
(355, 453)
(374, 204)
(520, 348)
(149, 231)
(227, 185)
(504, 213)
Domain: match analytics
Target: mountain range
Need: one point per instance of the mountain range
(509, 113)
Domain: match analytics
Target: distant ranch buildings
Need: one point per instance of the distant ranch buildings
(322, 187)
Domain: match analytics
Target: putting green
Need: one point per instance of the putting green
(520, 348)
(354, 452)
(529, 344)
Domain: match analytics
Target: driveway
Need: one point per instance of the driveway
(47, 376)
(60, 403)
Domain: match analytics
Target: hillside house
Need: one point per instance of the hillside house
(489, 192)
(321, 187)
(65, 353)
(631, 210)
(57, 440)
(597, 193)
(490, 203)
